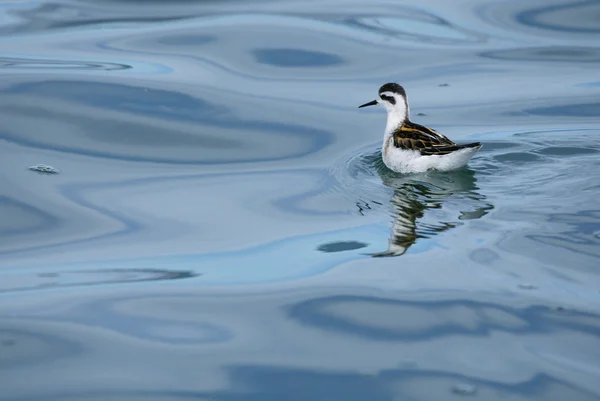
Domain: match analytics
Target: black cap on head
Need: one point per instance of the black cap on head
(393, 87)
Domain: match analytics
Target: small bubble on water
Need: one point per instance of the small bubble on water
(528, 286)
(42, 168)
(464, 389)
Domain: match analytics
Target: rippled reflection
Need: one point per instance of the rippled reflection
(369, 346)
(552, 54)
(191, 202)
(26, 64)
(21, 346)
(563, 16)
(83, 278)
(418, 321)
(415, 195)
(133, 123)
(421, 205)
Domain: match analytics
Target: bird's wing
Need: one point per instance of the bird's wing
(444, 150)
(411, 136)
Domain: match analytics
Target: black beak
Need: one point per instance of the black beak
(372, 103)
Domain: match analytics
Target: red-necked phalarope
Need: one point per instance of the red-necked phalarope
(413, 148)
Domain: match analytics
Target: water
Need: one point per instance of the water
(217, 223)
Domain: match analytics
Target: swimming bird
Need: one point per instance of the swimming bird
(412, 148)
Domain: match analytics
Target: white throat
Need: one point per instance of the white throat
(397, 114)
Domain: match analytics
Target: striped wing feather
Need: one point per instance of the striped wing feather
(411, 136)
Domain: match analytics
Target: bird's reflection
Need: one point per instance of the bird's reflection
(415, 194)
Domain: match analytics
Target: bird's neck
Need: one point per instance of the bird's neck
(395, 119)
(397, 115)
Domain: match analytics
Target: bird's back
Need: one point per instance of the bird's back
(413, 136)
(413, 149)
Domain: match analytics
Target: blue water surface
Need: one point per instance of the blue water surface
(193, 207)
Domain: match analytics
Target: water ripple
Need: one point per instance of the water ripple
(143, 116)
(552, 54)
(365, 178)
(477, 319)
(79, 278)
(221, 198)
(12, 63)
(568, 17)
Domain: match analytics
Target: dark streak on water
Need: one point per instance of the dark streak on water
(223, 228)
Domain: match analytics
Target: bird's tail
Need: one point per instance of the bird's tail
(470, 145)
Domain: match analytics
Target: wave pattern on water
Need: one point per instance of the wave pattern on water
(26, 64)
(221, 200)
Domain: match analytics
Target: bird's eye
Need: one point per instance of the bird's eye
(388, 98)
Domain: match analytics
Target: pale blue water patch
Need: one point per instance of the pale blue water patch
(260, 264)
(222, 226)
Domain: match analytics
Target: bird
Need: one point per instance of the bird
(409, 147)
